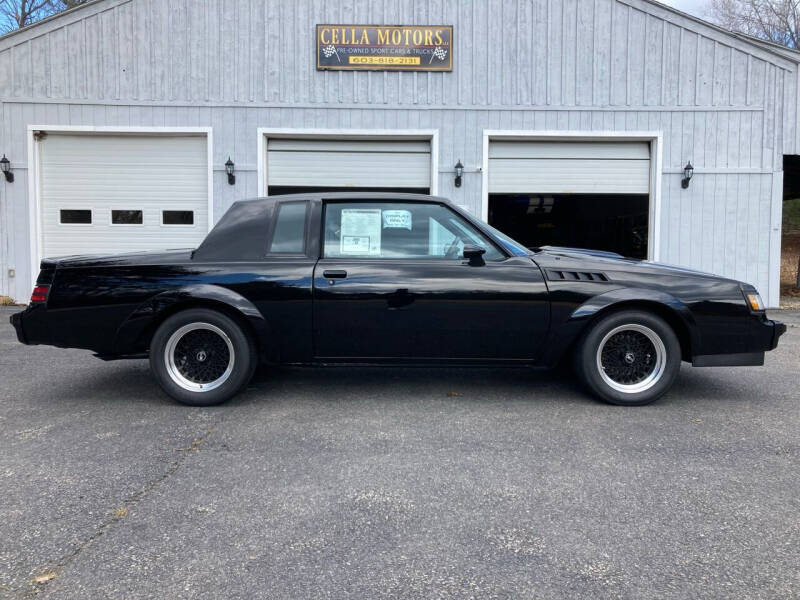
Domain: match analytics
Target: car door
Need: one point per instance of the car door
(392, 283)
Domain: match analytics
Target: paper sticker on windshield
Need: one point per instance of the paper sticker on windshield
(397, 219)
(361, 231)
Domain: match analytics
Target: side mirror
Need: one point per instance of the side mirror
(474, 254)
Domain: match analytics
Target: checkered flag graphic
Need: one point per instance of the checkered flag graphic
(439, 52)
(330, 50)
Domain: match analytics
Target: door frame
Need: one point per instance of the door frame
(36, 231)
(264, 133)
(654, 138)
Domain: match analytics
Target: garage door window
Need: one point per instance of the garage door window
(177, 217)
(75, 217)
(127, 217)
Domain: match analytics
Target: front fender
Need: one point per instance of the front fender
(595, 304)
(566, 330)
(133, 336)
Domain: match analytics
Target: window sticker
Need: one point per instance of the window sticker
(397, 219)
(361, 231)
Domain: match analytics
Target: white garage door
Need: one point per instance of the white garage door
(569, 167)
(349, 163)
(122, 193)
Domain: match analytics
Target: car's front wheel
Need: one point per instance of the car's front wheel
(630, 358)
(202, 357)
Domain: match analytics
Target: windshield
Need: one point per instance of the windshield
(512, 246)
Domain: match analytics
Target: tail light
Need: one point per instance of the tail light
(39, 295)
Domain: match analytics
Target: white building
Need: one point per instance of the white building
(573, 119)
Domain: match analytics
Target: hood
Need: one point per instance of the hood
(579, 258)
(152, 257)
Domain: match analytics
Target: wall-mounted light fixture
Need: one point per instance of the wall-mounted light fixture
(229, 170)
(5, 166)
(459, 172)
(688, 173)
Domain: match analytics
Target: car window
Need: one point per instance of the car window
(400, 230)
(290, 229)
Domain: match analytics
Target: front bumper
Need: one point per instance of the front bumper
(764, 336)
(778, 330)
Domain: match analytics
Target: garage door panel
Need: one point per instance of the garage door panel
(304, 145)
(575, 176)
(102, 173)
(552, 150)
(569, 167)
(348, 163)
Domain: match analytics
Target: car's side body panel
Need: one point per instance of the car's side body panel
(429, 310)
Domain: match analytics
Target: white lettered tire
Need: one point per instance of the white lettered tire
(202, 357)
(629, 358)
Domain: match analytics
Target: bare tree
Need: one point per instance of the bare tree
(776, 21)
(20, 13)
(67, 4)
(15, 14)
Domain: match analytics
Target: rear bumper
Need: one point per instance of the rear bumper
(764, 337)
(16, 322)
(31, 325)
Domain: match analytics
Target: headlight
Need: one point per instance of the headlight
(754, 300)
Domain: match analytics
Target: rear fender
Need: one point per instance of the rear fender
(565, 333)
(135, 333)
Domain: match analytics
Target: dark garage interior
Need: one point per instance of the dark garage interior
(616, 223)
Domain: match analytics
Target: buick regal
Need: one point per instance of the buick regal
(390, 279)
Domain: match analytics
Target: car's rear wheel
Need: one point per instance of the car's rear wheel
(630, 358)
(202, 357)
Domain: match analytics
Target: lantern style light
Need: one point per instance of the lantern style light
(459, 172)
(688, 173)
(5, 166)
(229, 170)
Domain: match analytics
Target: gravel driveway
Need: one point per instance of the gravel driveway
(396, 483)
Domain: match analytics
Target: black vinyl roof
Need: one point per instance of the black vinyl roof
(405, 197)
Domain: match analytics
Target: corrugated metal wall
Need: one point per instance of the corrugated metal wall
(725, 104)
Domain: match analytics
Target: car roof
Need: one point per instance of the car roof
(404, 196)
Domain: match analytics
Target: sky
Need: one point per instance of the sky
(693, 7)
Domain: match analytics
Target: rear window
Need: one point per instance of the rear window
(289, 236)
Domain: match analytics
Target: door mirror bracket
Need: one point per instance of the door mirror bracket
(474, 254)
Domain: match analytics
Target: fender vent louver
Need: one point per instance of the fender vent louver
(553, 275)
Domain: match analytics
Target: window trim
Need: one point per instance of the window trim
(325, 202)
(276, 211)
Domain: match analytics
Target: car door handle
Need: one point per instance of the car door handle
(334, 274)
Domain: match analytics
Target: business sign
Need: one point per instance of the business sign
(385, 47)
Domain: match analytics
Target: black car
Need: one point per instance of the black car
(378, 278)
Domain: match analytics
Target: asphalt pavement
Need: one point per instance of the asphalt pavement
(396, 483)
